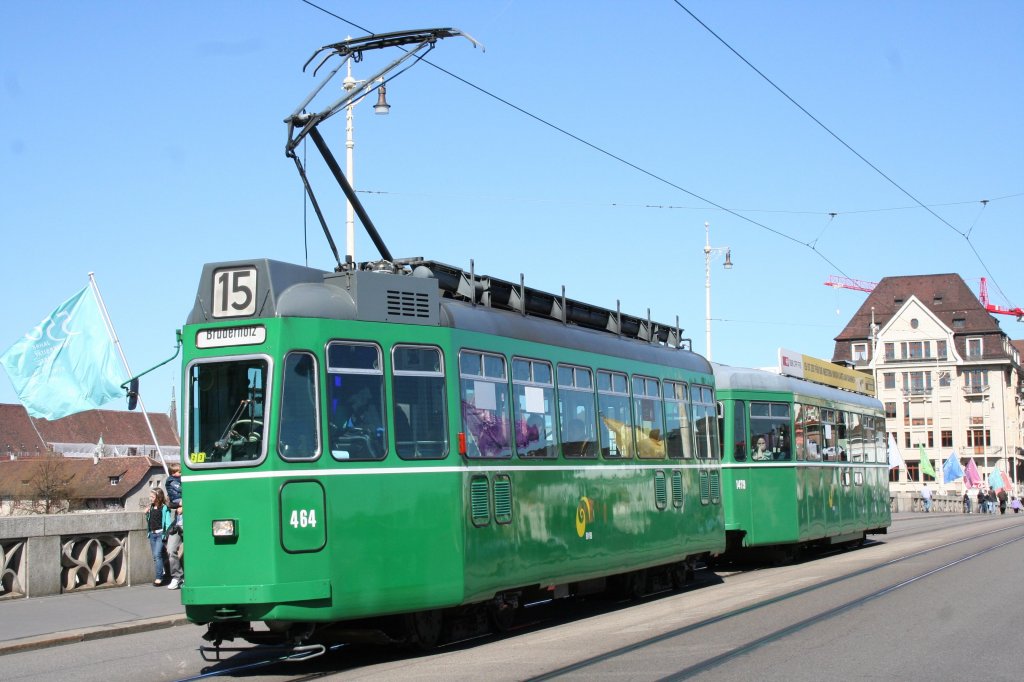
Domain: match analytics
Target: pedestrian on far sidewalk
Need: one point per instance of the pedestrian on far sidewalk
(967, 501)
(176, 537)
(926, 497)
(158, 520)
(176, 550)
(1015, 505)
(1001, 495)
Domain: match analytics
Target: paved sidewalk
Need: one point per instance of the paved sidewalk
(61, 619)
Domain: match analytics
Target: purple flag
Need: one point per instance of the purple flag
(971, 476)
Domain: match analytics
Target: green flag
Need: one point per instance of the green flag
(926, 464)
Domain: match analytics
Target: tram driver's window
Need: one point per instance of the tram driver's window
(225, 411)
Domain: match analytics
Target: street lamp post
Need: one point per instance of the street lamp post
(381, 107)
(709, 252)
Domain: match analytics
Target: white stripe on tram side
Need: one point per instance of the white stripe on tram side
(393, 471)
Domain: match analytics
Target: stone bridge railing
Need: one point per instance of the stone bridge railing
(56, 553)
(913, 502)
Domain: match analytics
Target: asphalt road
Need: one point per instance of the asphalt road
(937, 598)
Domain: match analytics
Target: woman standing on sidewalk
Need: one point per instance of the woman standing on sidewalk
(158, 519)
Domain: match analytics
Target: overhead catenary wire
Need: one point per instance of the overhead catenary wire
(734, 212)
(962, 233)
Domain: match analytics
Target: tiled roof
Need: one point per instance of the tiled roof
(107, 478)
(20, 433)
(16, 432)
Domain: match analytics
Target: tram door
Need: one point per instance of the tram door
(735, 431)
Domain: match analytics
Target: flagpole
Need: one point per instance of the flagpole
(117, 344)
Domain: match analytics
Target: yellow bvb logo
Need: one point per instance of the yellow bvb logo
(584, 514)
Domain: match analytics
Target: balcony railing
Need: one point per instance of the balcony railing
(917, 391)
(975, 389)
(915, 358)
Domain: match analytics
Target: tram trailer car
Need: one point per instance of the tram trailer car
(802, 463)
(370, 453)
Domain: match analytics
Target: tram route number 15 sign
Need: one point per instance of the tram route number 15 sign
(234, 292)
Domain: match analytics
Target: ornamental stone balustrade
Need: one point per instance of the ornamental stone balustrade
(57, 553)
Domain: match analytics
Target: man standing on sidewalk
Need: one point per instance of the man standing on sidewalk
(175, 547)
(926, 497)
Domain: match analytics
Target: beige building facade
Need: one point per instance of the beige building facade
(949, 376)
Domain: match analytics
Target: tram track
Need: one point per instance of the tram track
(803, 624)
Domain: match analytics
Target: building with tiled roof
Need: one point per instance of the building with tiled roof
(950, 378)
(123, 433)
(97, 459)
(54, 484)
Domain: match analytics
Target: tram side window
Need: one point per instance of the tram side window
(809, 428)
(534, 408)
(829, 443)
(705, 422)
(880, 445)
(355, 401)
(856, 445)
(869, 437)
(843, 435)
(576, 414)
(678, 438)
(417, 384)
(770, 422)
(483, 384)
(298, 434)
(739, 434)
(613, 409)
(225, 411)
(650, 419)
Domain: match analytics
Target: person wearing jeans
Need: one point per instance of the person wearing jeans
(158, 520)
(174, 547)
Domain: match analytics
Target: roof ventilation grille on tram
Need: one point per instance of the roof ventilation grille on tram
(408, 304)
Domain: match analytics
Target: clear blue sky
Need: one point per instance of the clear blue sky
(141, 140)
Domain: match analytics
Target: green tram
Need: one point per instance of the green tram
(802, 463)
(376, 452)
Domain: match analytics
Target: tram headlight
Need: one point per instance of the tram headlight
(224, 528)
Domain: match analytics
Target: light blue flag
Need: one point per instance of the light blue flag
(995, 480)
(952, 470)
(67, 363)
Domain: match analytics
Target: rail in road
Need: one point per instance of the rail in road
(882, 609)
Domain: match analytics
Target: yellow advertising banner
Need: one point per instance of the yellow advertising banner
(803, 366)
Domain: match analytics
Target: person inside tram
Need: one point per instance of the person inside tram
(760, 452)
(360, 429)
(812, 450)
(780, 449)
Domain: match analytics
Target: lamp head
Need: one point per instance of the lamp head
(728, 260)
(381, 107)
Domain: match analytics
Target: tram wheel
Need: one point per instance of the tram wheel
(424, 628)
(501, 617)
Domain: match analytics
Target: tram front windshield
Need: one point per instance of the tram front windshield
(225, 411)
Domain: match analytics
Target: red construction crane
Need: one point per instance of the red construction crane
(983, 297)
(847, 283)
(860, 285)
